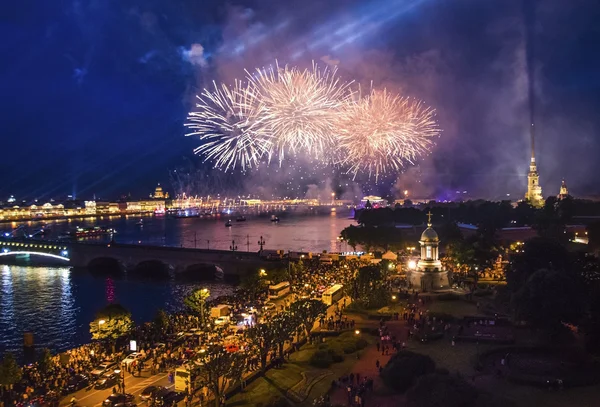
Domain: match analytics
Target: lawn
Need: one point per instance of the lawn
(458, 308)
(277, 382)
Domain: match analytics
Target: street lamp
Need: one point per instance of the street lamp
(261, 243)
(357, 332)
(412, 265)
(233, 247)
(262, 273)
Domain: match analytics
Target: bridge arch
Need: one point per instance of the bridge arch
(151, 268)
(106, 265)
(200, 271)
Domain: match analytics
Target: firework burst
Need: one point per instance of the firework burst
(227, 123)
(298, 108)
(384, 132)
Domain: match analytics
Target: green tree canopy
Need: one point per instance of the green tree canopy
(220, 371)
(368, 287)
(10, 372)
(45, 360)
(111, 322)
(549, 298)
(404, 368)
(262, 339)
(307, 312)
(196, 302)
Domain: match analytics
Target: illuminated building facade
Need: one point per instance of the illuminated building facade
(429, 274)
(534, 189)
(564, 192)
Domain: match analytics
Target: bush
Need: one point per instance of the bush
(404, 368)
(361, 344)
(321, 358)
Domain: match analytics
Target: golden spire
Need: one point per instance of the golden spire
(429, 215)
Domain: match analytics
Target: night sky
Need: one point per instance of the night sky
(95, 93)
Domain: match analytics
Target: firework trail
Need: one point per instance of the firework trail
(290, 113)
(298, 108)
(229, 126)
(384, 132)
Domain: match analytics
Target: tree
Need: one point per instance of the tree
(403, 369)
(44, 361)
(307, 312)
(10, 372)
(196, 302)
(161, 321)
(550, 298)
(111, 322)
(262, 340)
(368, 287)
(220, 371)
(538, 253)
(253, 284)
(283, 326)
(593, 231)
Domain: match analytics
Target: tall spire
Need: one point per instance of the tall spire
(532, 134)
(429, 215)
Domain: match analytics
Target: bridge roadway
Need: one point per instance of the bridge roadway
(79, 254)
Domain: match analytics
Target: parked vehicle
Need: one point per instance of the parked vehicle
(77, 382)
(149, 392)
(117, 398)
(106, 380)
(130, 358)
(103, 368)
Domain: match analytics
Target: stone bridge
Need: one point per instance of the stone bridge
(130, 256)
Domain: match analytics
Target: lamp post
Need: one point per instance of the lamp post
(247, 243)
(233, 247)
(261, 243)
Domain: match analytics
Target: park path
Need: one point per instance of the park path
(366, 367)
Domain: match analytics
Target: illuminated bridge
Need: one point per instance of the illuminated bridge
(10, 249)
(129, 256)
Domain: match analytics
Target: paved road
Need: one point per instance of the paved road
(133, 385)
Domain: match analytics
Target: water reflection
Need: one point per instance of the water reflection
(57, 305)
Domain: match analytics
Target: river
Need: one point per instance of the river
(57, 304)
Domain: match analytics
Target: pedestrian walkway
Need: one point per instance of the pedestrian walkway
(366, 368)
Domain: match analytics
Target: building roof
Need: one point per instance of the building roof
(429, 235)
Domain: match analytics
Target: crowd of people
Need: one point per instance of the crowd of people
(174, 340)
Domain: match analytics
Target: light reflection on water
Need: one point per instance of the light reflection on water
(57, 305)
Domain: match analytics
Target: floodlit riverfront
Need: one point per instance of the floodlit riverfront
(57, 304)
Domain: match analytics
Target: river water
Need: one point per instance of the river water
(57, 304)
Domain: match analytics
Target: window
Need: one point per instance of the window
(428, 252)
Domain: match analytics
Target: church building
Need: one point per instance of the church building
(429, 274)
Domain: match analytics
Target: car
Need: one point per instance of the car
(173, 398)
(77, 382)
(221, 321)
(167, 397)
(103, 368)
(126, 404)
(117, 398)
(130, 358)
(106, 380)
(150, 391)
